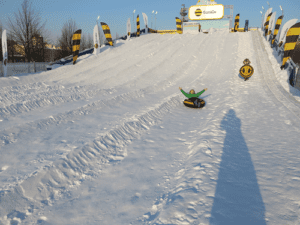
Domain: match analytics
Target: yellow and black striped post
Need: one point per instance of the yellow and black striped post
(277, 26)
(76, 45)
(267, 24)
(106, 32)
(236, 22)
(178, 25)
(138, 30)
(290, 43)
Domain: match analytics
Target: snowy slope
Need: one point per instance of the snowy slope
(108, 140)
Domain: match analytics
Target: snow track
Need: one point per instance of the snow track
(48, 96)
(82, 162)
(38, 186)
(18, 133)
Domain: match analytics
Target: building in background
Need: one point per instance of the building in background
(222, 22)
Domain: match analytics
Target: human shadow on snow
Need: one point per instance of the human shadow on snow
(237, 197)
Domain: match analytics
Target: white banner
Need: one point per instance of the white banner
(96, 40)
(146, 22)
(128, 28)
(271, 25)
(206, 12)
(5, 53)
(285, 29)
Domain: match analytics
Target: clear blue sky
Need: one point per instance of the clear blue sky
(115, 13)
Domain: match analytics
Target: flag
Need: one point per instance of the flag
(107, 34)
(178, 25)
(236, 22)
(266, 15)
(290, 44)
(138, 30)
(145, 17)
(267, 24)
(96, 40)
(271, 26)
(128, 28)
(277, 26)
(76, 45)
(285, 29)
(5, 53)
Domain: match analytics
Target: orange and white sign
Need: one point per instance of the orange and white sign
(206, 12)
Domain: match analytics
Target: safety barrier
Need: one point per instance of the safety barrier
(19, 68)
(242, 29)
(69, 59)
(163, 31)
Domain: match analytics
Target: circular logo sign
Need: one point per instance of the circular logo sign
(246, 71)
(96, 45)
(198, 12)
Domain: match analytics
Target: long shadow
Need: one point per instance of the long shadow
(237, 198)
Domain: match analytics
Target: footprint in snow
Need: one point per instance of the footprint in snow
(3, 168)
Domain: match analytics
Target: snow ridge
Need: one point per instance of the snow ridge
(48, 184)
(47, 98)
(9, 135)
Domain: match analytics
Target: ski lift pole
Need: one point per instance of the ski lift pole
(262, 25)
(152, 19)
(133, 19)
(281, 9)
(262, 19)
(155, 20)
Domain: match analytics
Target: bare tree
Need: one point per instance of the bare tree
(86, 42)
(90, 41)
(65, 40)
(83, 42)
(102, 37)
(26, 25)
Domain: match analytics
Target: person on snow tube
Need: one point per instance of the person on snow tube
(192, 96)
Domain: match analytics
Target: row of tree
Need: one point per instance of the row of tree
(65, 40)
(27, 37)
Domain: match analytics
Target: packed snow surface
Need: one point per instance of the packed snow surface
(109, 141)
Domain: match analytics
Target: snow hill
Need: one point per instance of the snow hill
(108, 140)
